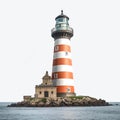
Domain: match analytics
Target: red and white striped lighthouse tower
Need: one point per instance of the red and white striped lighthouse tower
(62, 74)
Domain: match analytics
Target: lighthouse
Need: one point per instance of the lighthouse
(62, 73)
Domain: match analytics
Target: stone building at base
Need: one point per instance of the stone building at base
(46, 88)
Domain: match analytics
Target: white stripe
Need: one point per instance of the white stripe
(59, 68)
(62, 41)
(63, 82)
(62, 55)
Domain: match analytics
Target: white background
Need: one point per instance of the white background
(26, 46)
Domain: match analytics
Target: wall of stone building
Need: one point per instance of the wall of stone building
(40, 92)
(26, 98)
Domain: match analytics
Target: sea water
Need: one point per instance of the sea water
(60, 113)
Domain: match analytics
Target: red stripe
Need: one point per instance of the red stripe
(59, 75)
(65, 48)
(65, 89)
(62, 61)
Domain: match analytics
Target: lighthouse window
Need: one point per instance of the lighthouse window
(68, 89)
(55, 75)
(60, 19)
(56, 48)
(66, 53)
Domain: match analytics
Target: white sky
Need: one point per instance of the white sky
(26, 46)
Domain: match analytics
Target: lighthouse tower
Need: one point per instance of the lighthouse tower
(62, 73)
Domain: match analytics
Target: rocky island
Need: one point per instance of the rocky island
(46, 96)
(61, 101)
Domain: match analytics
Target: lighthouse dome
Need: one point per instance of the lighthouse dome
(62, 29)
(62, 16)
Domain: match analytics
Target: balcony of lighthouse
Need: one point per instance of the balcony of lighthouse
(63, 31)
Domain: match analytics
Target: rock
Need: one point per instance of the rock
(61, 101)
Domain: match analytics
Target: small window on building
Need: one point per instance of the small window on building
(66, 53)
(55, 75)
(51, 92)
(46, 94)
(56, 48)
(68, 90)
(40, 92)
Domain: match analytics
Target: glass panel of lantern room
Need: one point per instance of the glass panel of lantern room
(62, 23)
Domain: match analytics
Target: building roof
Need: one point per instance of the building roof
(46, 76)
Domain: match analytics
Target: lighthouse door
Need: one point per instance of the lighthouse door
(46, 94)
